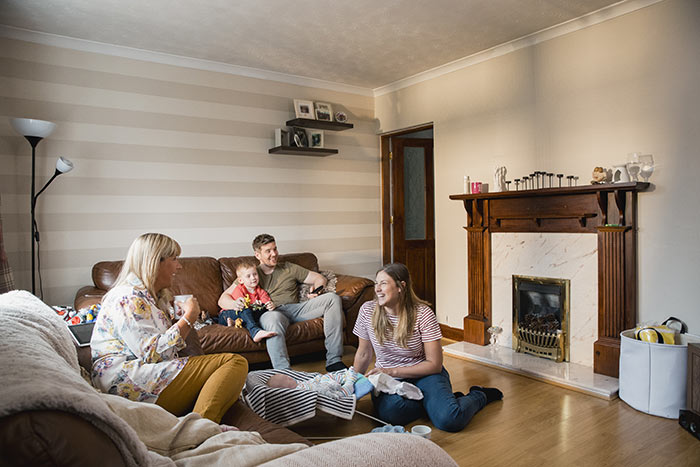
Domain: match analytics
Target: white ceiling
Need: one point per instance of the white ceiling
(365, 43)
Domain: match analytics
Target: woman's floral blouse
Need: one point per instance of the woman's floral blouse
(134, 344)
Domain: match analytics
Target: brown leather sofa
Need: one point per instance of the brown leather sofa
(206, 278)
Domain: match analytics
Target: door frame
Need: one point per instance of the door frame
(385, 168)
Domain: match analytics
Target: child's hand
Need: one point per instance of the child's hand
(239, 304)
(270, 305)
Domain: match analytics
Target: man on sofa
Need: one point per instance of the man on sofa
(281, 281)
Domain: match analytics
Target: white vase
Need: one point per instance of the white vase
(620, 174)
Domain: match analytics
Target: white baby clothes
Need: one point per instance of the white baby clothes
(336, 385)
(385, 383)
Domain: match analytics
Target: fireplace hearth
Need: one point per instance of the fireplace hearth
(541, 317)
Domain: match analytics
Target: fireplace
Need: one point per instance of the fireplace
(608, 210)
(541, 317)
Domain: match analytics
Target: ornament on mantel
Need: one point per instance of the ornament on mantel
(599, 176)
(499, 178)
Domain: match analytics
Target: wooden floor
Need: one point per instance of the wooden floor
(536, 424)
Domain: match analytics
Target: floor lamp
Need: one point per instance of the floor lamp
(34, 131)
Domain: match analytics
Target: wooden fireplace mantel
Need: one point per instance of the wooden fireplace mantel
(609, 210)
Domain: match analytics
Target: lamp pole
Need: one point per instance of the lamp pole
(33, 140)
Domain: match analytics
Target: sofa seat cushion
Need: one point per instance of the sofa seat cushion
(217, 338)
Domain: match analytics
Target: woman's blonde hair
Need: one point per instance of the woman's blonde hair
(143, 260)
(407, 309)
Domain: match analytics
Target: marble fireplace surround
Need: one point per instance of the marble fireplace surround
(564, 219)
(552, 255)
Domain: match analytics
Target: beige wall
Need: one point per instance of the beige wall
(567, 105)
(179, 151)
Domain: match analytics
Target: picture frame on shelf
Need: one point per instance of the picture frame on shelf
(300, 138)
(315, 138)
(304, 109)
(281, 137)
(324, 112)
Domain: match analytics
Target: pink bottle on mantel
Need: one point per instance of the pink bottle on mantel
(476, 187)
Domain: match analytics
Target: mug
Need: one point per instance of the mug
(179, 299)
(421, 430)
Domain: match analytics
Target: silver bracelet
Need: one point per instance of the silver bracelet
(188, 323)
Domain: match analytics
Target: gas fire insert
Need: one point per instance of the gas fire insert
(541, 317)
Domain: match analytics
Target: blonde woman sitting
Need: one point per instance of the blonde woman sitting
(403, 333)
(135, 341)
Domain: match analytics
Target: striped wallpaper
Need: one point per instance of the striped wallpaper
(180, 151)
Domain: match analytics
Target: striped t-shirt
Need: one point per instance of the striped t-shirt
(390, 355)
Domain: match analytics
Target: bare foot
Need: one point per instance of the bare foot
(260, 335)
(229, 322)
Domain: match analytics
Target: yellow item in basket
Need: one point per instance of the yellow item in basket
(655, 334)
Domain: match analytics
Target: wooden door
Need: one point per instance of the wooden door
(413, 208)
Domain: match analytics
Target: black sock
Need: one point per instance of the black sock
(336, 366)
(492, 394)
(458, 394)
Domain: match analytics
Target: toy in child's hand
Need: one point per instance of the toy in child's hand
(317, 290)
(257, 306)
(238, 323)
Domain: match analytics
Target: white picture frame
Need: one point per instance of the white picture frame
(304, 109)
(315, 138)
(281, 137)
(324, 112)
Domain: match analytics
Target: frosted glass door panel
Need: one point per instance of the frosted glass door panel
(414, 192)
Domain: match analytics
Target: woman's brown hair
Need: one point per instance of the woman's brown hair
(407, 310)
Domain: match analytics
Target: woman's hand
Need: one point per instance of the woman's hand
(389, 371)
(191, 310)
(270, 305)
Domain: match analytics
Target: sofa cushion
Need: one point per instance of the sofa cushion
(305, 289)
(105, 273)
(199, 276)
(218, 338)
(228, 265)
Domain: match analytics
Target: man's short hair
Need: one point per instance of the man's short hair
(246, 263)
(262, 239)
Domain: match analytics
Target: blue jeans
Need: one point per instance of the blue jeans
(447, 412)
(327, 305)
(247, 316)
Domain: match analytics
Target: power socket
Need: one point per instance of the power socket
(690, 421)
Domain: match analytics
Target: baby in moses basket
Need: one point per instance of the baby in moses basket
(336, 385)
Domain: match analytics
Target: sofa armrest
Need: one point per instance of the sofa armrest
(354, 291)
(55, 438)
(87, 296)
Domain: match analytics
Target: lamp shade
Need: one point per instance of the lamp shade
(63, 165)
(32, 127)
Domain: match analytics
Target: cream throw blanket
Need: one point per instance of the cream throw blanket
(39, 368)
(40, 371)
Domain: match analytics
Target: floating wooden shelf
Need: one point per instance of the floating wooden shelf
(301, 151)
(319, 124)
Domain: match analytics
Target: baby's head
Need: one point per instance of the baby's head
(281, 381)
(247, 273)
